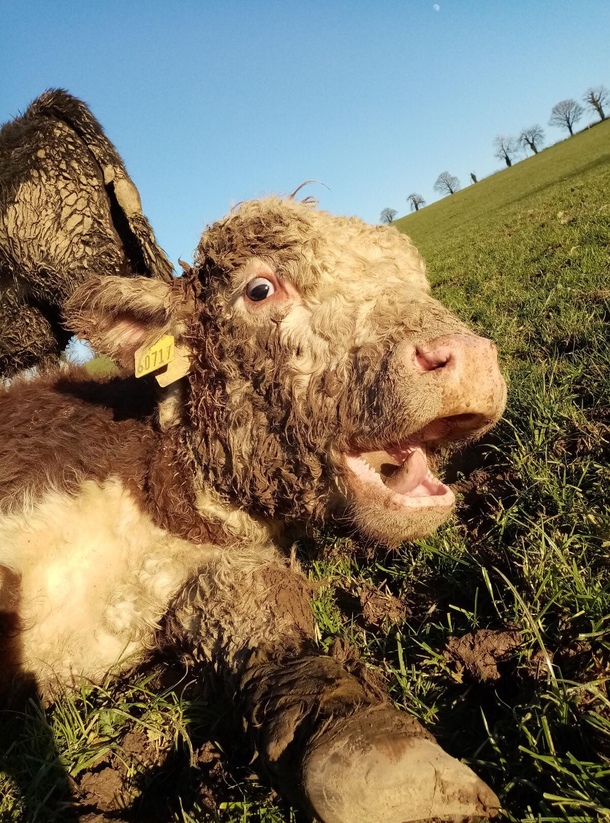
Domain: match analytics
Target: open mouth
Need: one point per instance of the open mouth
(398, 477)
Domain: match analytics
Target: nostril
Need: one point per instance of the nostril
(430, 361)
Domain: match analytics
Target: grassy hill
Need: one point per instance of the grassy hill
(495, 632)
(525, 257)
(509, 189)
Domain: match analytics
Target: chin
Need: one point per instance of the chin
(393, 528)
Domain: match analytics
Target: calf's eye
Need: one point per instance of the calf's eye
(259, 289)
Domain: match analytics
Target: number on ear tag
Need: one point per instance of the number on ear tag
(179, 367)
(151, 358)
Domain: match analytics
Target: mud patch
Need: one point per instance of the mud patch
(213, 776)
(114, 781)
(478, 654)
(379, 607)
(291, 595)
(137, 744)
(181, 783)
(105, 790)
(371, 607)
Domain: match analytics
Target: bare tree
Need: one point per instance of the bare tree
(473, 177)
(532, 137)
(598, 97)
(415, 201)
(565, 114)
(387, 215)
(505, 148)
(446, 183)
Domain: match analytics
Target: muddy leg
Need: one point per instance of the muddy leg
(323, 736)
(27, 337)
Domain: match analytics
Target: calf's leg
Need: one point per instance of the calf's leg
(28, 336)
(324, 737)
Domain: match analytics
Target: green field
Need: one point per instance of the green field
(524, 256)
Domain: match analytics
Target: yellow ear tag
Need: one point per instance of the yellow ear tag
(151, 358)
(179, 367)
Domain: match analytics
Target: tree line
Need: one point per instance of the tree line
(564, 114)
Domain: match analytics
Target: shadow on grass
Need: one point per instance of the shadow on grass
(203, 772)
(30, 761)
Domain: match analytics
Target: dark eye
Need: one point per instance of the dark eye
(259, 288)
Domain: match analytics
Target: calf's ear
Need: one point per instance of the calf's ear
(119, 315)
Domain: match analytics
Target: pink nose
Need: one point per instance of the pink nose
(432, 357)
(462, 372)
(453, 351)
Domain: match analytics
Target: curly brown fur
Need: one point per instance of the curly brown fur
(282, 410)
(274, 400)
(55, 433)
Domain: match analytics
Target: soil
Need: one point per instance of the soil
(104, 790)
(378, 607)
(202, 779)
(213, 776)
(112, 783)
(137, 744)
(370, 606)
(148, 795)
(478, 654)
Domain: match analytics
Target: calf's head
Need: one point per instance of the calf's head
(322, 371)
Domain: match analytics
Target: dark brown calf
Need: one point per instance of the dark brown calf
(68, 209)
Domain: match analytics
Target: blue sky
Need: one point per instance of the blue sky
(213, 103)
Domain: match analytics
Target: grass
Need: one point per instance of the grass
(524, 256)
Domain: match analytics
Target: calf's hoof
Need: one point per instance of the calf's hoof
(381, 766)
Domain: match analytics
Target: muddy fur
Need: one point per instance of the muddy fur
(270, 405)
(267, 410)
(68, 209)
(284, 406)
(191, 487)
(248, 614)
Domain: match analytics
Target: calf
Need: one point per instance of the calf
(314, 376)
(68, 209)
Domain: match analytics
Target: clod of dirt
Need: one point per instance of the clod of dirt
(479, 653)
(137, 744)
(103, 790)
(207, 755)
(213, 776)
(201, 779)
(378, 606)
(538, 666)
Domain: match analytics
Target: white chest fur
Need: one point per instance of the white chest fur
(96, 575)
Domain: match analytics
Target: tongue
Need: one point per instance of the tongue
(410, 474)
